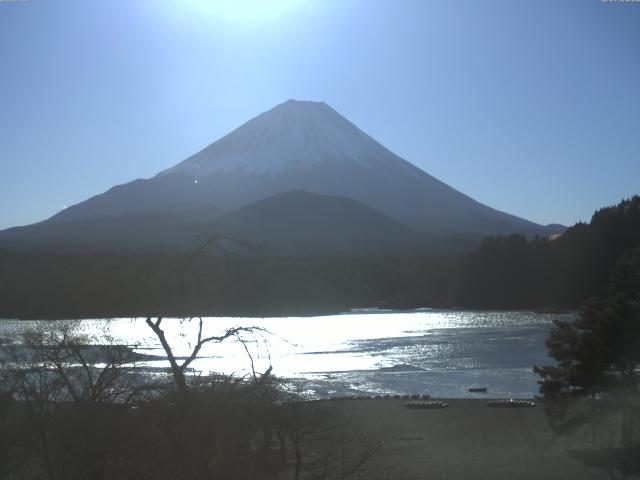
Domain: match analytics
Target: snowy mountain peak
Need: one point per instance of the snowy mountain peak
(300, 146)
(295, 135)
(292, 102)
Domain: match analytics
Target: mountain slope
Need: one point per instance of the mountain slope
(125, 232)
(289, 224)
(300, 223)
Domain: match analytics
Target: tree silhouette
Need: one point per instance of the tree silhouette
(178, 369)
(596, 380)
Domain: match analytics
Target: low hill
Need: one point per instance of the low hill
(300, 223)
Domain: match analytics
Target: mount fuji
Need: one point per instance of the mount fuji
(332, 167)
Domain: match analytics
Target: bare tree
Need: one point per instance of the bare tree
(178, 369)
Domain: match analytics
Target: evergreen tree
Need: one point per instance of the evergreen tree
(596, 381)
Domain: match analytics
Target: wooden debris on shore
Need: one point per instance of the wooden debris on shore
(429, 404)
(414, 396)
(353, 397)
(511, 403)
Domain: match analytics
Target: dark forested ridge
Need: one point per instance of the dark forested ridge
(505, 272)
(513, 272)
(93, 285)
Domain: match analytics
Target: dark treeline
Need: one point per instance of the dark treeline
(504, 272)
(84, 285)
(513, 272)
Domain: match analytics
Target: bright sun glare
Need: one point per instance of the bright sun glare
(241, 10)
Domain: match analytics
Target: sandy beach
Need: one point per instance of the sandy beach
(468, 440)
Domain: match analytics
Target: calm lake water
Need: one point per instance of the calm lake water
(439, 352)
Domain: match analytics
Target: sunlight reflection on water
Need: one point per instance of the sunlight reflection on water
(448, 351)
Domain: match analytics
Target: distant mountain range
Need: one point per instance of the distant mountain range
(299, 179)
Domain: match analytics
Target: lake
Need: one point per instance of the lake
(366, 352)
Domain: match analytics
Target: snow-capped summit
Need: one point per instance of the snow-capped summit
(291, 136)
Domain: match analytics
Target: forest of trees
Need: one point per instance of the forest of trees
(54, 286)
(515, 272)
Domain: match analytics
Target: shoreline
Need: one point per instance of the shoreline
(309, 313)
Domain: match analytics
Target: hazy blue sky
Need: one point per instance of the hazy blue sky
(532, 107)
